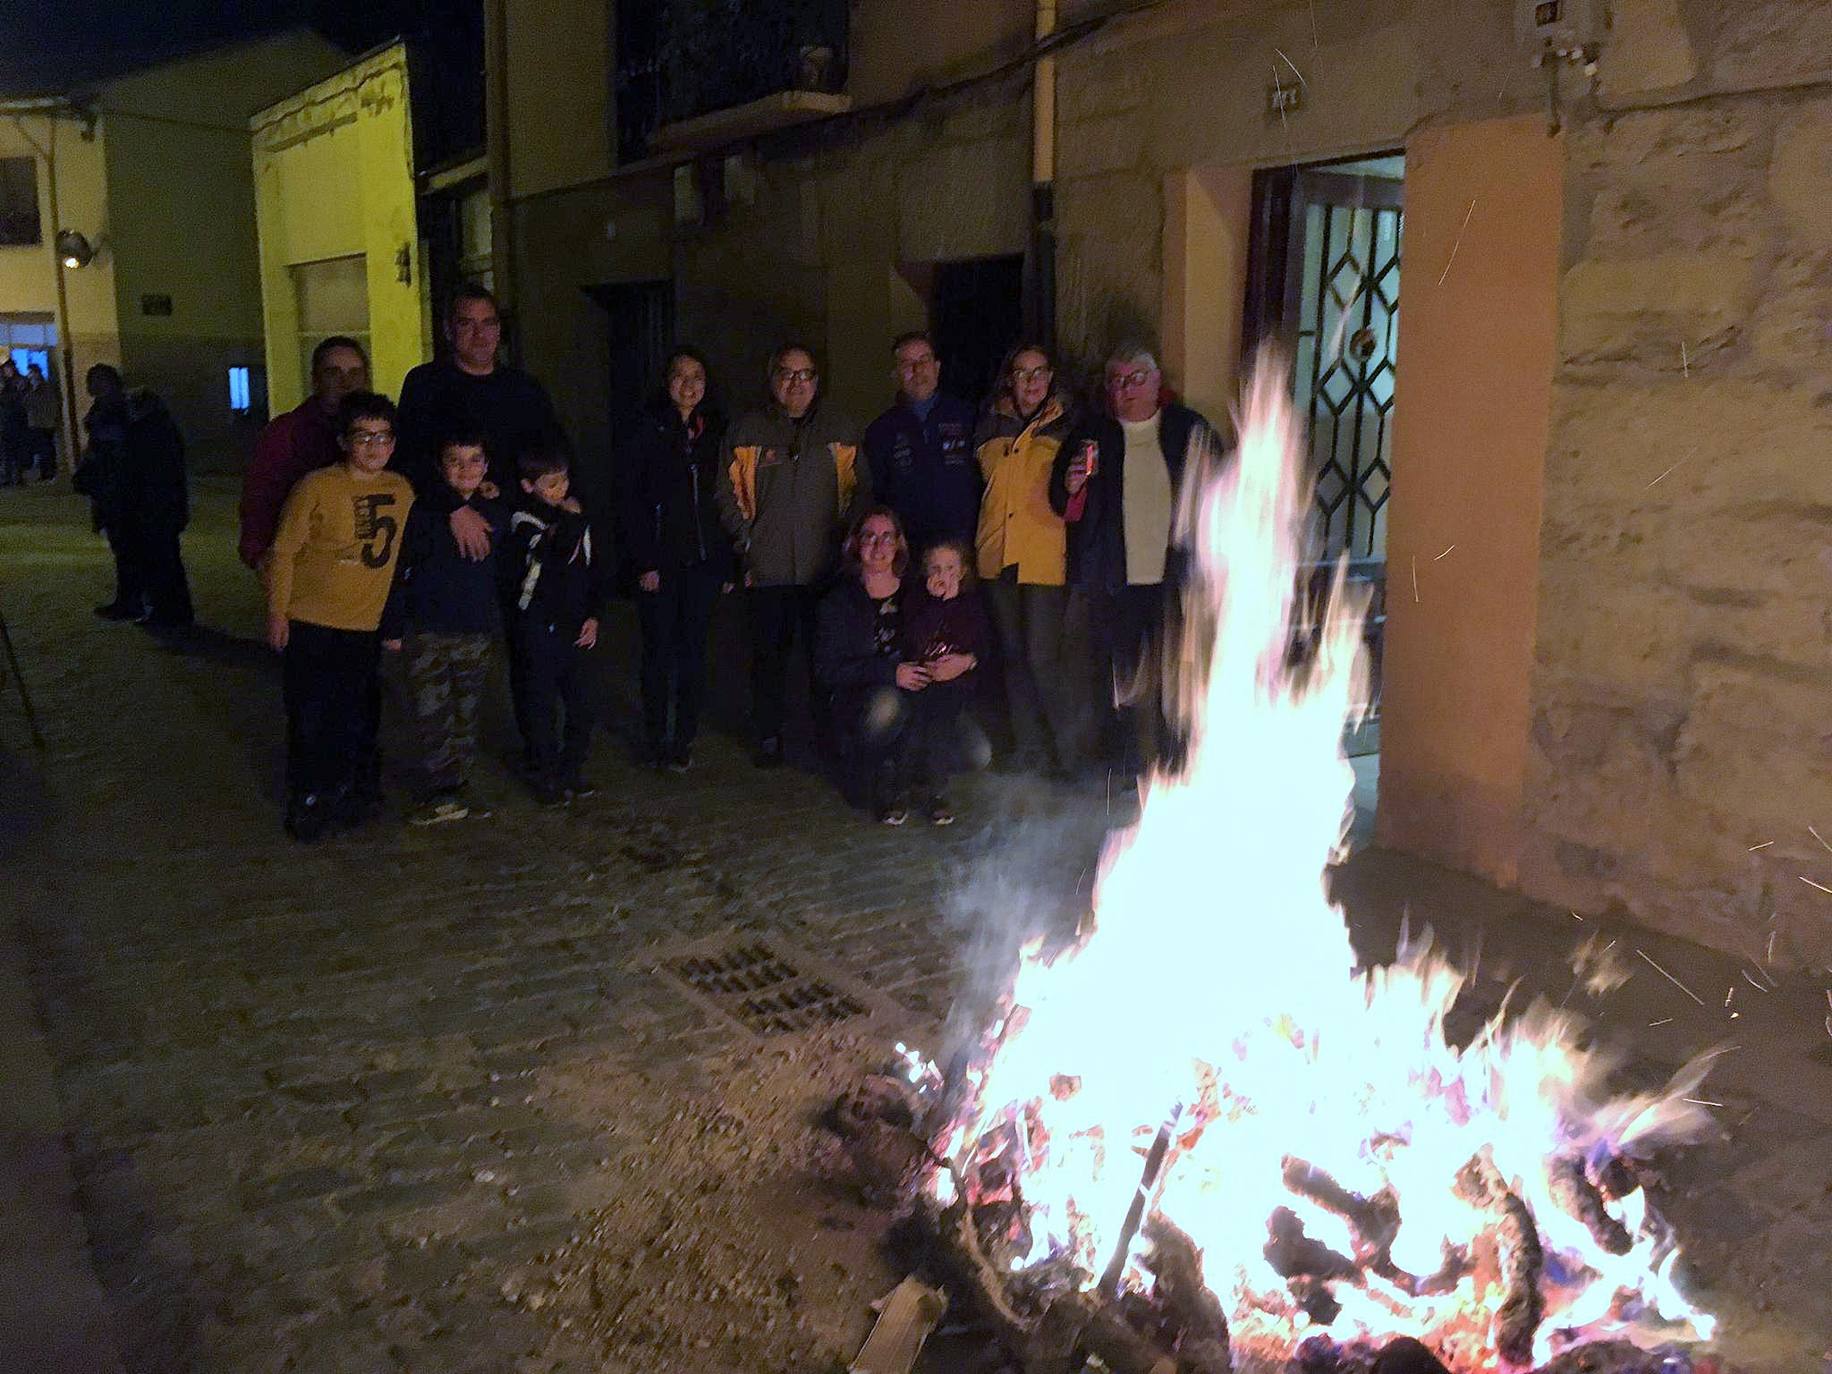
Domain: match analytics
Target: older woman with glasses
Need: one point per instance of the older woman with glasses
(1022, 556)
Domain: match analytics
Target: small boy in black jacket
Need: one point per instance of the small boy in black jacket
(443, 610)
(556, 590)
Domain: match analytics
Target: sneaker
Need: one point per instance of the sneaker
(769, 752)
(894, 814)
(114, 610)
(474, 809)
(680, 758)
(438, 811)
(579, 787)
(308, 819)
(551, 794)
(940, 813)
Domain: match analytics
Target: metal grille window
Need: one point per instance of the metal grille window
(19, 222)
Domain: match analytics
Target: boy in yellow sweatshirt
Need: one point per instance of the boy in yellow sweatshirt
(327, 582)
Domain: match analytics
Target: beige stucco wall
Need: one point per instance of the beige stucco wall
(559, 56)
(334, 178)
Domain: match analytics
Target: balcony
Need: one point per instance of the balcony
(694, 74)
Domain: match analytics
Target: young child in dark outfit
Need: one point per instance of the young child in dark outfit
(946, 631)
(444, 612)
(555, 596)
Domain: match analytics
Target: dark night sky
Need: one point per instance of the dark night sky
(55, 46)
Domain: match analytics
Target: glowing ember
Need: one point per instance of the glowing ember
(1338, 1162)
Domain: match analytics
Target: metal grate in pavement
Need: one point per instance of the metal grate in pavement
(763, 988)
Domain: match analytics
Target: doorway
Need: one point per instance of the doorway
(1323, 281)
(976, 317)
(639, 323)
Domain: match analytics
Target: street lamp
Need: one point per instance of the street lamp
(74, 249)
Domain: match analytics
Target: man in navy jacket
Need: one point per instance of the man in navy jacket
(920, 452)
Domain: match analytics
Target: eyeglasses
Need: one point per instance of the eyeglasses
(795, 374)
(1128, 381)
(878, 537)
(912, 364)
(1030, 374)
(370, 438)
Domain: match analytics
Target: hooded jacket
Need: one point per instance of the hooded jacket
(1018, 527)
(788, 490)
(555, 578)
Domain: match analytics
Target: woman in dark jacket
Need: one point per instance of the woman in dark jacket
(680, 551)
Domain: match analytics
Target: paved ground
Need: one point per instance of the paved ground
(419, 1100)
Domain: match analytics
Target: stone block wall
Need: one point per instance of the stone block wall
(1682, 696)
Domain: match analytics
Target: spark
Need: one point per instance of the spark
(1829, 997)
(1445, 552)
(1701, 1102)
(1293, 65)
(1278, 95)
(1821, 838)
(1752, 982)
(1829, 1025)
(1821, 886)
(1313, 23)
(1459, 241)
(1671, 979)
(1732, 993)
(1415, 580)
(1765, 844)
(1663, 1021)
(1663, 474)
(1769, 958)
(1576, 917)
(1751, 1112)
(1685, 363)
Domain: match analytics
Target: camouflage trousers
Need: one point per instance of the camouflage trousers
(445, 679)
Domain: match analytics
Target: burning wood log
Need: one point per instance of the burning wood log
(1521, 1260)
(1293, 1254)
(1580, 1198)
(1148, 1181)
(1176, 1264)
(1374, 1220)
(1407, 1356)
(1102, 1332)
(959, 1246)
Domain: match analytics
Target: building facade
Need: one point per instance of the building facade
(1594, 482)
(152, 170)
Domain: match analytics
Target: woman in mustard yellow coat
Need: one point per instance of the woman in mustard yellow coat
(1022, 555)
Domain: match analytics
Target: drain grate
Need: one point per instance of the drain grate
(763, 991)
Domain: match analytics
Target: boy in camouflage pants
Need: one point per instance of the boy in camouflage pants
(445, 614)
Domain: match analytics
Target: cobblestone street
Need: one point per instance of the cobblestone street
(424, 1100)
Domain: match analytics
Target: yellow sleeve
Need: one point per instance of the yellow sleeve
(289, 539)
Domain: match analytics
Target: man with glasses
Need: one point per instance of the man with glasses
(1115, 482)
(791, 483)
(920, 451)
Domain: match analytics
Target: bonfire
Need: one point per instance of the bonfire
(1201, 1136)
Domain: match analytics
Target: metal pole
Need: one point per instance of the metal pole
(66, 350)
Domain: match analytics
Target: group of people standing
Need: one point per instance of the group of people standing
(28, 423)
(1063, 515)
(1030, 541)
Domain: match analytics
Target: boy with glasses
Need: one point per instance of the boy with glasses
(328, 578)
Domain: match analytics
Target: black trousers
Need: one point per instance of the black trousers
(130, 574)
(168, 590)
(556, 708)
(331, 681)
(1127, 626)
(779, 615)
(676, 621)
(898, 740)
(1043, 657)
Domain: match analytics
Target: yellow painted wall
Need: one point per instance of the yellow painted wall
(334, 178)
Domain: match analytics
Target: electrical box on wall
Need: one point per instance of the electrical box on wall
(1569, 29)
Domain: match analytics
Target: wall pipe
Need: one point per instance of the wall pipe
(1042, 311)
